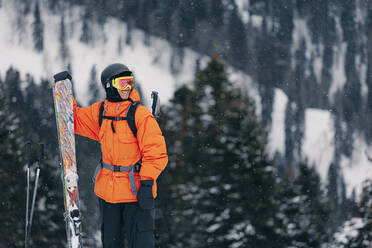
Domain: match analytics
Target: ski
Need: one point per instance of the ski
(63, 104)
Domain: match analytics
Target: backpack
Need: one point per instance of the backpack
(130, 116)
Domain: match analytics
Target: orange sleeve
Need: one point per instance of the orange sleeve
(86, 120)
(151, 143)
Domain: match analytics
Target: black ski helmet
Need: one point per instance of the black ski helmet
(110, 72)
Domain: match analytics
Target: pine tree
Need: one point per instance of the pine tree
(304, 209)
(63, 50)
(181, 122)
(334, 195)
(369, 72)
(120, 45)
(12, 177)
(34, 114)
(94, 86)
(295, 111)
(86, 32)
(328, 34)
(54, 6)
(128, 38)
(265, 75)
(216, 13)
(38, 30)
(294, 131)
(238, 49)
(221, 179)
(352, 99)
(363, 238)
(14, 95)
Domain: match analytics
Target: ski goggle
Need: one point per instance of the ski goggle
(123, 83)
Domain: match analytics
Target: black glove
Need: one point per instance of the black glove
(62, 76)
(144, 196)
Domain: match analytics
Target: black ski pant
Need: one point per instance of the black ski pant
(136, 223)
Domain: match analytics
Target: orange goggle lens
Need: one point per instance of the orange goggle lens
(123, 83)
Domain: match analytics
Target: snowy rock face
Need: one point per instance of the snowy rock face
(318, 145)
(154, 61)
(150, 63)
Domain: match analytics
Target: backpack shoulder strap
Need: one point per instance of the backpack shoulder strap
(101, 109)
(131, 117)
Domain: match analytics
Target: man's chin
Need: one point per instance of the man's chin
(124, 95)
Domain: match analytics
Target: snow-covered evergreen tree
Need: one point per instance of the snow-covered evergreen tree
(64, 50)
(94, 86)
(38, 29)
(12, 176)
(357, 232)
(304, 210)
(29, 114)
(86, 30)
(221, 180)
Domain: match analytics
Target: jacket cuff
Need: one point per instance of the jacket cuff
(146, 178)
(149, 172)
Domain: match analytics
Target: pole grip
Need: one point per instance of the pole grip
(155, 104)
(41, 152)
(28, 153)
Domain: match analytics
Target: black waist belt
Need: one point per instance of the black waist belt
(118, 168)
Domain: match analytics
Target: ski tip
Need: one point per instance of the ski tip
(62, 76)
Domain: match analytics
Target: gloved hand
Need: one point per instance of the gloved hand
(144, 195)
(62, 76)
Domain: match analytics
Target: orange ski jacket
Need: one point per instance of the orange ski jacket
(122, 148)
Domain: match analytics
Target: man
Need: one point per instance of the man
(125, 179)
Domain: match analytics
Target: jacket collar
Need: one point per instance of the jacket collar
(134, 96)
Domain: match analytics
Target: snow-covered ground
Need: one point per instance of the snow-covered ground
(318, 145)
(277, 136)
(151, 64)
(357, 169)
(349, 230)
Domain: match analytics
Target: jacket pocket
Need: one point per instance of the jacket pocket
(122, 188)
(127, 138)
(128, 149)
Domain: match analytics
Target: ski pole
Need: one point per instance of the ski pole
(155, 104)
(41, 155)
(28, 157)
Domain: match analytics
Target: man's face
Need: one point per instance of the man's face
(124, 85)
(124, 94)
